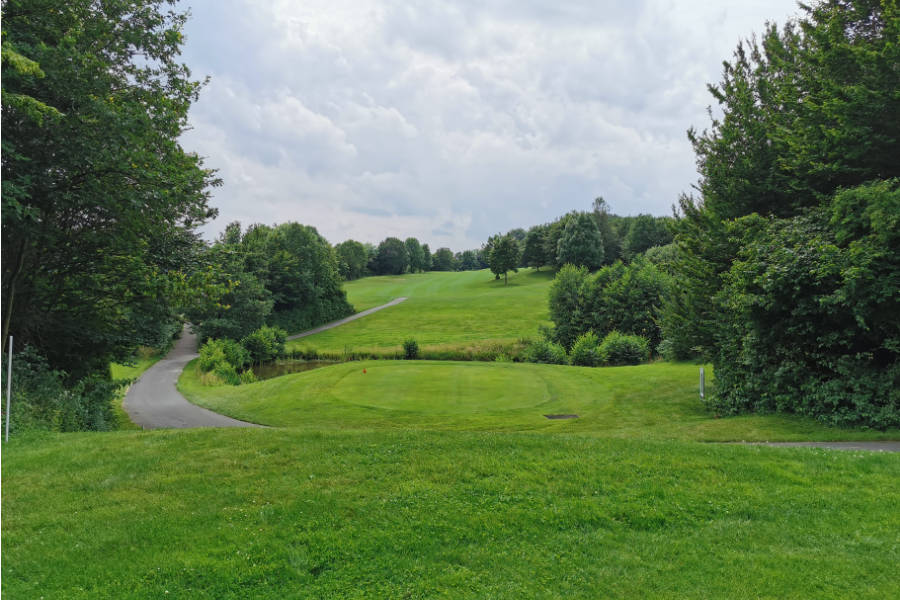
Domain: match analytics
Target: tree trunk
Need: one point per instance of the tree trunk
(11, 290)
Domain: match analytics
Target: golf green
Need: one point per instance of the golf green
(441, 389)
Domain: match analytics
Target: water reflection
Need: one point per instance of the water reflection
(286, 367)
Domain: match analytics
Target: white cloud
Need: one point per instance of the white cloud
(449, 121)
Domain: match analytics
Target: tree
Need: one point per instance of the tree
(580, 243)
(443, 260)
(353, 258)
(566, 300)
(392, 257)
(533, 254)
(807, 110)
(426, 258)
(99, 199)
(612, 241)
(468, 261)
(810, 312)
(504, 257)
(415, 254)
(644, 233)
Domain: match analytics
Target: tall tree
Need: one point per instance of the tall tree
(504, 256)
(96, 187)
(645, 232)
(392, 257)
(415, 254)
(580, 243)
(353, 259)
(443, 260)
(426, 257)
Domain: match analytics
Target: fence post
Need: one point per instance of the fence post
(9, 386)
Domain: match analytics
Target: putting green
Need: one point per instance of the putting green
(465, 388)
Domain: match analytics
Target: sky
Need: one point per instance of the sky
(449, 121)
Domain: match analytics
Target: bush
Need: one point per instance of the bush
(410, 349)
(543, 351)
(265, 344)
(43, 401)
(620, 349)
(227, 373)
(586, 350)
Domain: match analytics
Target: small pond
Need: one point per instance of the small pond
(285, 367)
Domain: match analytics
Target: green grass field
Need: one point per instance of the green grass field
(655, 401)
(427, 479)
(443, 311)
(289, 513)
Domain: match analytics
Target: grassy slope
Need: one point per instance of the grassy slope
(442, 480)
(442, 310)
(648, 401)
(293, 514)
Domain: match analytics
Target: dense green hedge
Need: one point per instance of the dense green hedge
(812, 312)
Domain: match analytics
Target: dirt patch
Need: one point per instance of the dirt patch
(561, 416)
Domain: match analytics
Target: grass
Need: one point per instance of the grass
(418, 514)
(655, 401)
(444, 311)
(421, 479)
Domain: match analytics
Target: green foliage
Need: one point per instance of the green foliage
(443, 260)
(45, 399)
(410, 349)
(586, 351)
(580, 243)
(533, 254)
(99, 199)
(392, 257)
(286, 276)
(567, 304)
(618, 297)
(504, 256)
(622, 349)
(426, 258)
(265, 344)
(806, 110)
(547, 352)
(626, 298)
(811, 311)
(415, 254)
(645, 232)
(352, 259)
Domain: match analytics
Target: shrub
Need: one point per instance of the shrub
(621, 349)
(43, 400)
(586, 350)
(543, 351)
(227, 373)
(265, 344)
(410, 349)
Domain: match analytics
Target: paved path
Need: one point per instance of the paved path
(358, 315)
(153, 402)
(886, 446)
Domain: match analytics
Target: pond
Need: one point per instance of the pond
(285, 367)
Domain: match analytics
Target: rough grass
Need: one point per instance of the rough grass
(655, 401)
(447, 312)
(299, 514)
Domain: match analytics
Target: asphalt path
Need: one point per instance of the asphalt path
(358, 315)
(153, 402)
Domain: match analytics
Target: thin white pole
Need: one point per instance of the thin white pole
(8, 387)
(702, 382)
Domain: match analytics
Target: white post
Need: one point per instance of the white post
(702, 394)
(8, 387)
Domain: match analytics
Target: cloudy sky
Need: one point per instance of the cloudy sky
(452, 120)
